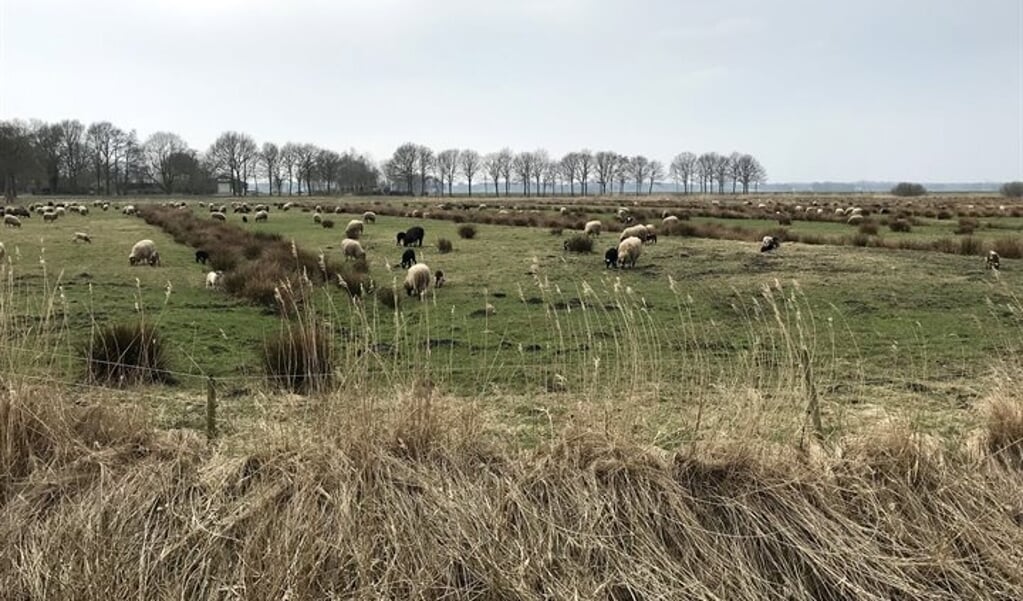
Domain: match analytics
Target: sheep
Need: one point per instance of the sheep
(11, 221)
(669, 221)
(408, 258)
(769, 243)
(411, 236)
(81, 237)
(317, 218)
(611, 258)
(287, 206)
(354, 229)
(438, 278)
(83, 210)
(592, 228)
(638, 231)
(651, 234)
(993, 261)
(245, 218)
(369, 217)
(48, 216)
(201, 256)
(144, 251)
(60, 211)
(417, 280)
(214, 279)
(855, 219)
(18, 212)
(106, 206)
(262, 215)
(338, 209)
(351, 249)
(629, 250)
(259, 208)
(128, 210)
(218, 216)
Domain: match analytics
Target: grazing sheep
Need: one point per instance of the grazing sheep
(83, 210)
(144, 251)
(81, 237)
(262, 215)
(411, 236)
(128, 210)
(629, 250)
(106, 206)
(592, 228)
(245, 218)
(11, 221)
(49, 216)
(769, 243)
(287, 206)
(438, 278)
(218, 216)
(993, 261)
(369, 217)
(259, 208)
(669, 221)
(338, 209)
(408, 258)
(635, 231)
(317, 218)
(214, 279)
(354, 229)
(201, 256)
(651, 234)
(855, 219)
(351, 249)
(417, 280)
(611, 258)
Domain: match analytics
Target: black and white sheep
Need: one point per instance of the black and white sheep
(417, 280)
(413, 236)
(81, 237)
(438, 277)
(611, 258)
(201, 256)
(629, 250)
(993, 261)
(408, 258)
(214, 279)
(769, 243)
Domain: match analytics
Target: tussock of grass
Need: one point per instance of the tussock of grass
(299, 358)
(126, 354)
(408, 500)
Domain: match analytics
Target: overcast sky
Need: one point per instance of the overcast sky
(924, 90)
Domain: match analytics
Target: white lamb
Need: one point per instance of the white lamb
(351, 249)
(592, 228)
(629, 250)
(262, 215)
(417, 280)
(214, 279)
(354, 229)
(128, 210)
(144, 251)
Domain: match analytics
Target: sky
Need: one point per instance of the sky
(915, 90)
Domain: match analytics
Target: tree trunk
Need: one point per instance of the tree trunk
(470, 186)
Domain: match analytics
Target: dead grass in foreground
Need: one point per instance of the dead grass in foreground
(413, 499)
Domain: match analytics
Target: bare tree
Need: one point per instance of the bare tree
(721, 170)
(551, 172)
(622, 172)
(655, 171)
(447, 166)
(705, 171)
(750, 172)
(103, 139)
(402, 166)
(640, 167)
(46, 138)
(585, 164)
(270, 158)
(15, 156)
(289, 162)
(492, 165)
(683, 167)
(524, 163)
(129, 162)
(424, 165)
(505, 158)
(73, 151)
(230, 156)
(540, 160)
(605, 162)
(305, 166)
(470, 164)
(570, 170)
(328, 166)
(159, 151)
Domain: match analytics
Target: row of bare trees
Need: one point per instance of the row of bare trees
(68, 157)
(416, 169)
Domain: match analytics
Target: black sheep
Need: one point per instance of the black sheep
(411, 237)
(201, 256)
(611, 258)
(408, 258)
(439, 275)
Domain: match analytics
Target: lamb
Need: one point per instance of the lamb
(408, 258)
(144, 251)
(82, 237)
(629, 251)
(11, 221)
(354, 229)
(218, 216)
(351, 249)
(611, 258)
(411, 236)
(438, 278)
(214, 279)
(592, 228)
(201, 256)
(262, 215)
(993, 261)
(369, 217)
(417, 280)
(769, 243)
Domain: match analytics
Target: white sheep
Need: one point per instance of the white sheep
(49, 216)
(670, 220)
(354, 229)
(214, 279)
(417, 280)
(82, 237)
(629, 250)
(351, 249)
(317, 218)
(592, 228)
(60, 211)
(369, 217)
(218, 216)
(144, 251)
(638, 231)
(83, 210)
(128, 210)
(262, 215)
(11, 221)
